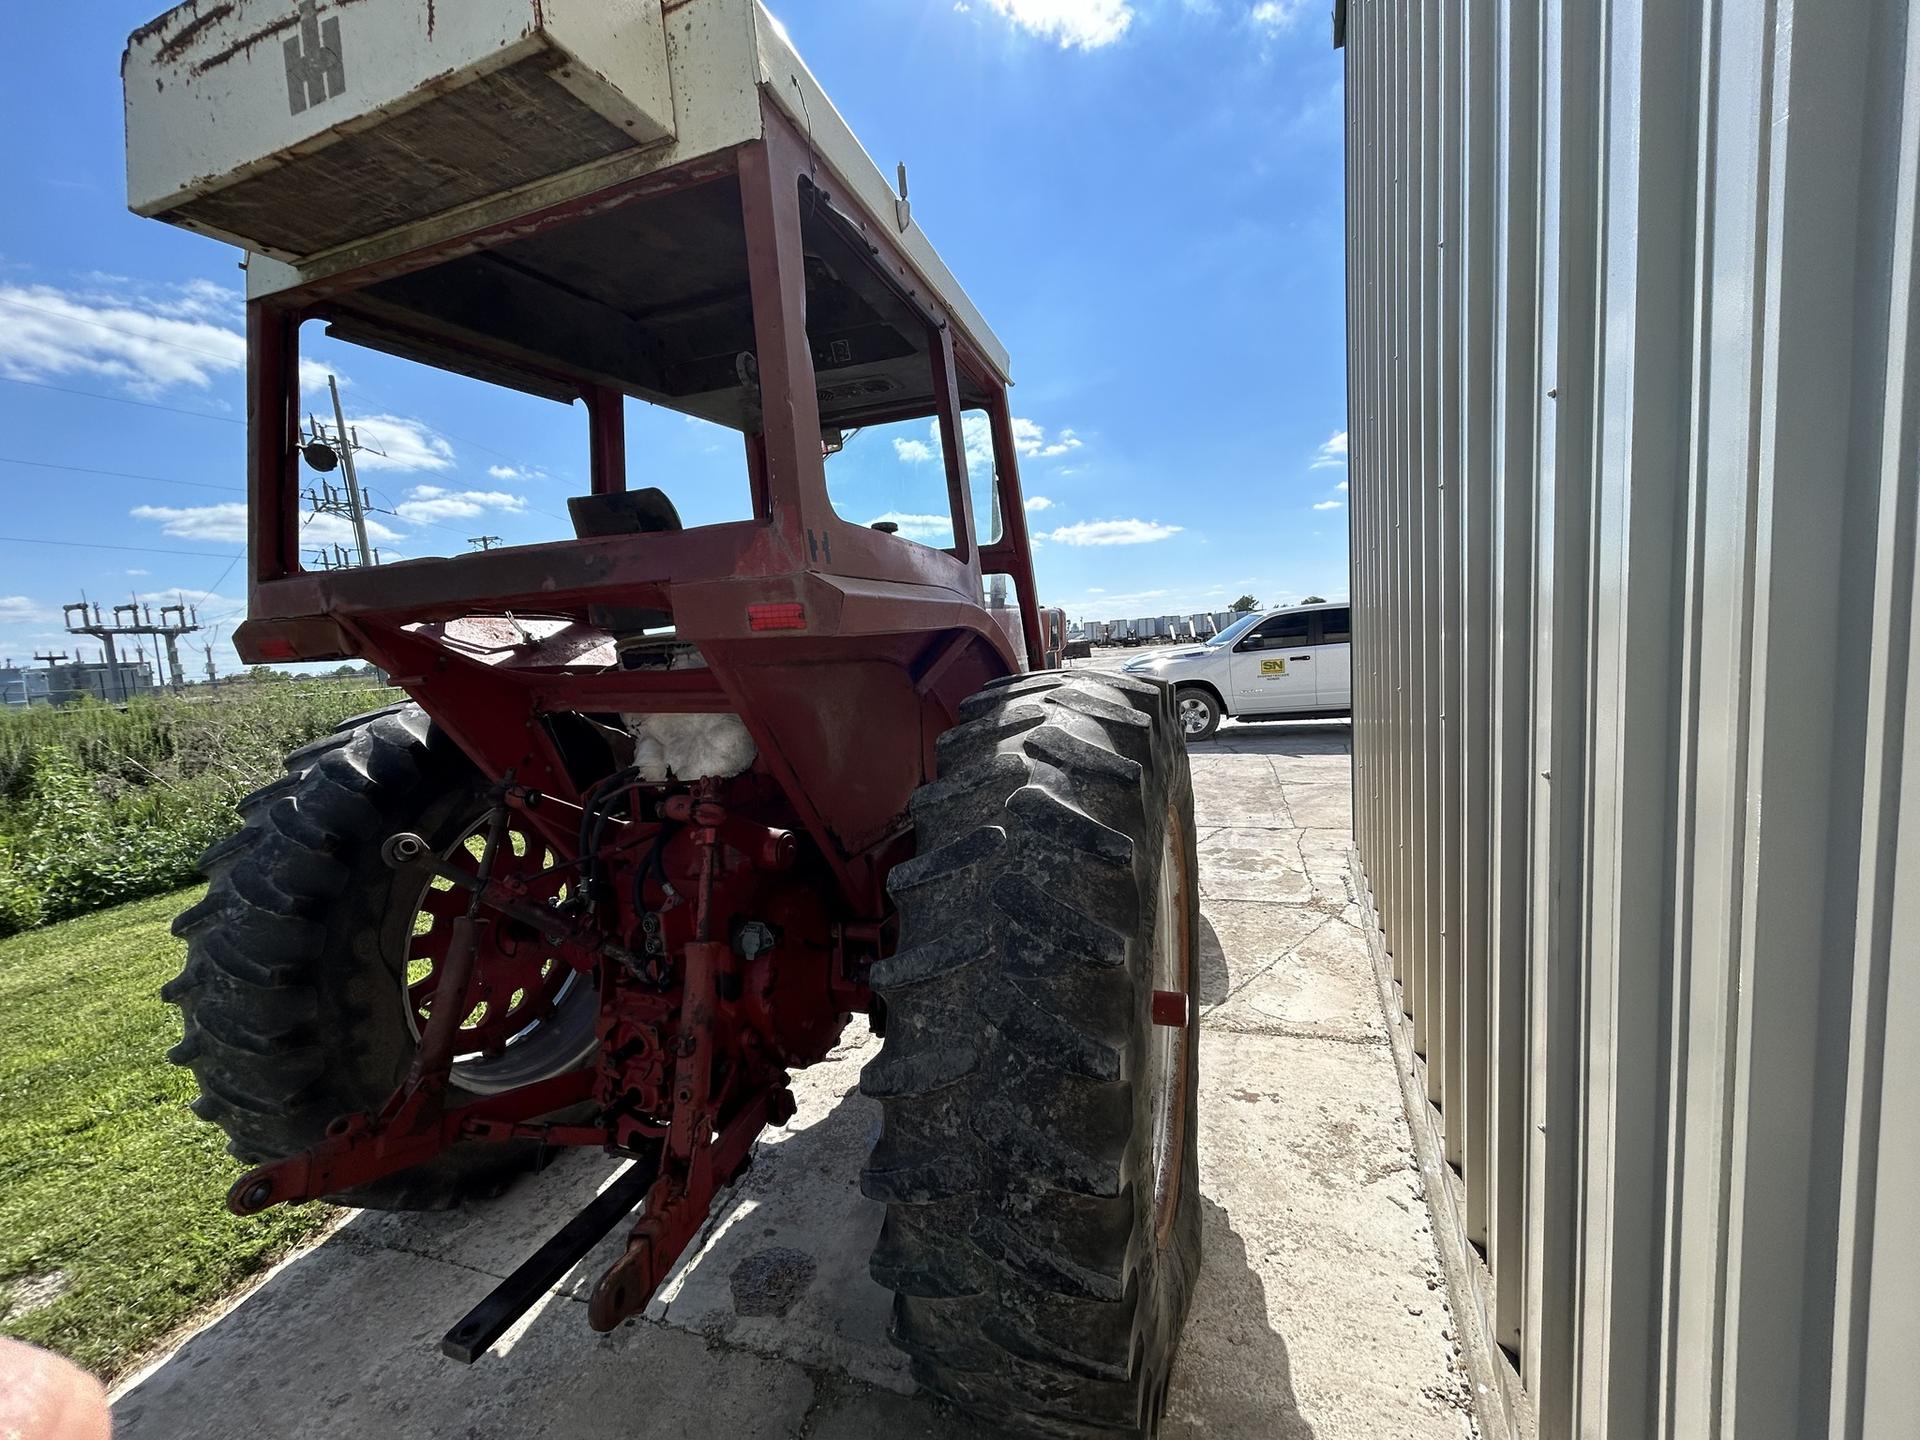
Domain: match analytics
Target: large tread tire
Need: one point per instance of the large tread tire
(292, 995)
(1036, 1283)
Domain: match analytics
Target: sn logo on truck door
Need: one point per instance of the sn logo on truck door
(316, 65)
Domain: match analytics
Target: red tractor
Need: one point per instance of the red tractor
(668, 805)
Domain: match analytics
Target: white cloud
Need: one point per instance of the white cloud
(1113, 532)
(1095, 590)
(1037, 503)
(397, 443)
(147, 341)
(139, 572)
(516, 472)
(332, 529)
(919, 527)
(426, 504)
(1075, 24)
(227, 524)
(1273, 16)
(19, 610)
(1332, 453)
(1341, 486)
(976, 432)
(1328, 505)
(1031, 440)
(314, 392)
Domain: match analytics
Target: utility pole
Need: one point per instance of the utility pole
(356, 502)
(325, 449)
(483, 542)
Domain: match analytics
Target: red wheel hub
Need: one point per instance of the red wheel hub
(516, 976)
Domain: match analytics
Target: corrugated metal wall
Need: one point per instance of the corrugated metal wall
(1634, 419)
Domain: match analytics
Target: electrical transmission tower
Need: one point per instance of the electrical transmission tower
(134, 619)
(324, 450)
(483, 542)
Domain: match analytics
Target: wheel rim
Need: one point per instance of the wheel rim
(1172, 970)
(531, 1015)
(1195, 714)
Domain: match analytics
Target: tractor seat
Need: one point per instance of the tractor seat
(625, 512)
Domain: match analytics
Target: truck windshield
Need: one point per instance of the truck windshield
(1234, 631)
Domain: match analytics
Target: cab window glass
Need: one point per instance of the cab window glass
(983, 475)
(893, 477)
(1336, 626)
(1280, 630)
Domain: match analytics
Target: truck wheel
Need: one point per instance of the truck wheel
(311, 964)
(1038, 1155)
(1199, 712)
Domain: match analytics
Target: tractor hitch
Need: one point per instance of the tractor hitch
(359, 1149)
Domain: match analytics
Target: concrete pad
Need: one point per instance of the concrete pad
(1314, 1316)
(1298, 973)
(783, 1270)
(1317, 1313)
(1252, 864)
(1321, 803)
(343, 1341)
(1239, 790)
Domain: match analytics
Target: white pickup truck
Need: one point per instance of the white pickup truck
(1295, 663)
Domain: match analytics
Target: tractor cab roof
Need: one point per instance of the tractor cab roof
(537, 192)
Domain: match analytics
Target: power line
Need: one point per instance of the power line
(131, 549)
(121, 475)
(123, 400)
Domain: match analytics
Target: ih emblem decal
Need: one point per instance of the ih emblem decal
(316, 66)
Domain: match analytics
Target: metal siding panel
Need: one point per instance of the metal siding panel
(1876, 1387)
(1475, 551)
(1634, 423)
(1515, 399)
(1640, 481)
(1444, 683)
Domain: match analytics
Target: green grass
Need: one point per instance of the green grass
(106, 1178)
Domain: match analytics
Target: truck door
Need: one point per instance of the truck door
(1272, 667)
(1333, 658)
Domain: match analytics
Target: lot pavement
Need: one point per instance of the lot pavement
(1321, 1311)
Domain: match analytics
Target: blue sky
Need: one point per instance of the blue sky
(1142, 196)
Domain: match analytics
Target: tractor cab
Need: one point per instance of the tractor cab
(608, 207)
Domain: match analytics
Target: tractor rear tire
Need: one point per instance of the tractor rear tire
(1038, 1153)
(294, 996)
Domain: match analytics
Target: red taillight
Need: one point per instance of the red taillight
(777, 617)
(275, 648)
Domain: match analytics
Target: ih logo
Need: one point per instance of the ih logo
(316, 66)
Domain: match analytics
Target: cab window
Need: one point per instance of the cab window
(1336, 626)
(1278, 631)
